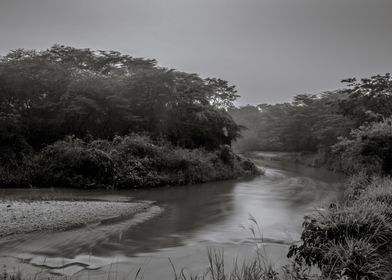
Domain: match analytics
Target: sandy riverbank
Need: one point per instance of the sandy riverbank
(19, 217)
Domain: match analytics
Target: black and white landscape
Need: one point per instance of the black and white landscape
(179, 139)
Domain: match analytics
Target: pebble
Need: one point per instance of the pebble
(59, 215)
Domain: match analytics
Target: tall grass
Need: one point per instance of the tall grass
(6, 275)
(352, 239)
(257, 268)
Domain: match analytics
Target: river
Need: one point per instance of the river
(194, 218)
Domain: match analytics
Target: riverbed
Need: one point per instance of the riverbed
(194, 219)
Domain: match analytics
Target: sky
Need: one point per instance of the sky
(270, 49)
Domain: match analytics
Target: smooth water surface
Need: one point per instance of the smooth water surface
(193, 219)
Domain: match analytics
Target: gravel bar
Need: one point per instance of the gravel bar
(17, 217)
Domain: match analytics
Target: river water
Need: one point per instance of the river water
(194, 218)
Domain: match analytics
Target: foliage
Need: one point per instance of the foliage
(133, 161)
(13, 145)
(368, 100)
(6, 275)
(351, 239)
(88, 118)
(193, 126)
(356, 185)
(315, 122)
(257, 268)
(100, 97)
(73, 163)
(354, 259)
(222, 94)
(368, 149)
(309, 123)
(249, 118)
(64, 91)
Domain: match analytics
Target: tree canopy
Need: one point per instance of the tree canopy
(49, 94)
(314, 122)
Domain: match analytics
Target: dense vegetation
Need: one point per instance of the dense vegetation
(82, 118)
(315, 122)
(350, 130)
(352, 239)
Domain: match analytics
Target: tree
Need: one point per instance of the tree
(67, 91)
(196, 125)
(368, 148)
(222, 95)
(368, 100)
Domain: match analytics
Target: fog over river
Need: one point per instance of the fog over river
(184, 224)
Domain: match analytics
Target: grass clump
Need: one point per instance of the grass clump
(353, 259)
(6, 275)
(255, 269)
(352, 239)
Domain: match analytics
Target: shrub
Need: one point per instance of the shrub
(18, 175)
(353, 239)
(379, 193)
(13, 146)
(353, 259)
(141, 162)
(335, 226)
(379, 189)
(369, 149)
(132, 161)
(73, 163)
(356, 184)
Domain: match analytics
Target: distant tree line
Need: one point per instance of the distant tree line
(351, 123)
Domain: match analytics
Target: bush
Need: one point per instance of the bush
(133, 161)
(380, 189)
(13, 146)
(356, 185)
(16, 175)
(140, 163)
(353, 239)
(73, 163)
(379, 193)
(369, 149)
(353, 259)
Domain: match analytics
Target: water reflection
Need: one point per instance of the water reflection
(193, 217)
(185, 210)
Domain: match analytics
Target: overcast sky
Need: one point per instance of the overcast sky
(270, 49)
